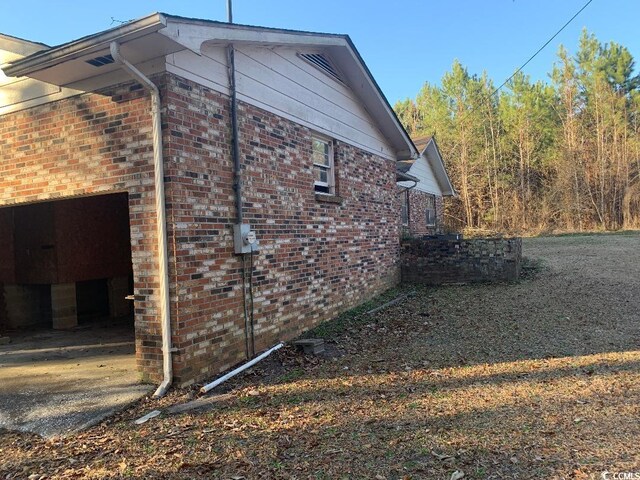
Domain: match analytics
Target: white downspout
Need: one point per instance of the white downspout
(163, 264)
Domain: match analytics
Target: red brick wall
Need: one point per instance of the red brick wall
(316, 259)
(418, 214)
(88, 145)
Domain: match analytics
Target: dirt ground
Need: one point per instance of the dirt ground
(538, 379)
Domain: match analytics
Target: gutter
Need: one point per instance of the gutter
(405, 177)
(161, 218)
(406, 189)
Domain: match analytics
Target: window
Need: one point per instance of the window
(324, 174)
(404, 208)
(431, 210)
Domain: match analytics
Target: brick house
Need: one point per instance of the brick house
(423, 183)
(111, 183)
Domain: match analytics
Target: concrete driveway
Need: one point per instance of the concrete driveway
(56, 382)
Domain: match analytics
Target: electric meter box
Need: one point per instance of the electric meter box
(244, 239)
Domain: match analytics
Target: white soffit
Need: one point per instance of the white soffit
(137, 51)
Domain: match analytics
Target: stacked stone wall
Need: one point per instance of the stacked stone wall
(441, 261)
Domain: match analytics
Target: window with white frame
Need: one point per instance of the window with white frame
(404, 208)
(431, 210)
(323, 165)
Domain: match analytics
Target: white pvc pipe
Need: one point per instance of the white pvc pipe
(241, 368)
(163, 263)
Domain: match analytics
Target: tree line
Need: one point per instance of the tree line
(539, 156)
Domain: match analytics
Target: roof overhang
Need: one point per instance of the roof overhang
(66, 65)
(159, 34)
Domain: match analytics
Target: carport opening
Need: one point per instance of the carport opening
(65, 265)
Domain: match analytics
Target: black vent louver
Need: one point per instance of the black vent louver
(101, 61)
(323, 63)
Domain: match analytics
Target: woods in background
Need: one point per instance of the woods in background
(538, 156)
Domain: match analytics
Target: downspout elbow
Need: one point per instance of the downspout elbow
(114, 48)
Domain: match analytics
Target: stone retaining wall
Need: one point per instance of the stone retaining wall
(436, 261)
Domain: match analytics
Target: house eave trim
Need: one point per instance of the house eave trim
(83, 46)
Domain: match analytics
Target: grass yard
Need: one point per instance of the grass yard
(534, 380)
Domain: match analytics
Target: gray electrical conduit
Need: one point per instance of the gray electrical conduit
(163, 264)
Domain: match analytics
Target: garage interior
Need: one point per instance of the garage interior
(65, 320)
(65, 264)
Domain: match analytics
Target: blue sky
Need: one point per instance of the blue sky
(404, 42)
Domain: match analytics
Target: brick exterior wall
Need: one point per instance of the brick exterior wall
(418, 215)
(87, 145)
(316, 259)
(441, 261)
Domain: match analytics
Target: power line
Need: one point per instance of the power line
(464, 114)
(542, 47)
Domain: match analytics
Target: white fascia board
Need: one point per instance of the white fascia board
(193, 34)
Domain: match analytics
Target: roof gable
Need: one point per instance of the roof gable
(429, 168)
(159, 35)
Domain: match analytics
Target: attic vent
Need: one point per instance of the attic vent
(100, 61)
(320, 61)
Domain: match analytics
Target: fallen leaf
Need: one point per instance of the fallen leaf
(457, 475)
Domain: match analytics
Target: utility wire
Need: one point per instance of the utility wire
(542, 47)
(464, 114)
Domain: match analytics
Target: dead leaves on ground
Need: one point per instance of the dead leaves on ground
(403, 395)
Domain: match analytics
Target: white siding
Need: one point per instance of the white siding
(277, 80)
(20, 93)
(423, 171)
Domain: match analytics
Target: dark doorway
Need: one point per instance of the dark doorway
(65, 262)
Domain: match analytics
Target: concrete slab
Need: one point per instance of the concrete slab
(57, 382)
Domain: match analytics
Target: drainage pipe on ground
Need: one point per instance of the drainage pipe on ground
(163, 264)
(241, 368)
